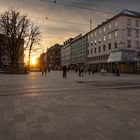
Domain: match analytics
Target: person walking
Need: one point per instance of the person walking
(76, 70)
(92, 71)
(79, 71)
(45, 71)
(117, 72)
(89, 70)
(42, 70)
(114, 72)
(64, 71)
(82, 71)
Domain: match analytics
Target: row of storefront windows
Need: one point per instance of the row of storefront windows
(97, 58)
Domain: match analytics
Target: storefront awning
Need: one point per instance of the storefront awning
(122, 56)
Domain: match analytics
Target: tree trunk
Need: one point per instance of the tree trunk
(29, 61)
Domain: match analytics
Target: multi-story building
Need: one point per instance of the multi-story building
(5, 61)
(116, 42)
(54, 57)
(78, 49)
(42, 61)
(73, 52)
(65, 52)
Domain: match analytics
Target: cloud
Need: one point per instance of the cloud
(56, 32)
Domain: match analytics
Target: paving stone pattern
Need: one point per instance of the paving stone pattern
(95, 107)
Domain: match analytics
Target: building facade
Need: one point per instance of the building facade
(5, 61)
(54, 57)
(78, 49)
(65, 53)
(74, 52)
(42, 61)
(116, 42)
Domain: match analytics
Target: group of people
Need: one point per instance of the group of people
(82, 70)
(116, 72)
(44, 71)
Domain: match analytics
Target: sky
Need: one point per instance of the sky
(65, 10)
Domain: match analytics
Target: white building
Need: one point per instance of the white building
(115, 41)
(65, 53)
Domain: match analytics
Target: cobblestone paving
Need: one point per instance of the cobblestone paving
(96, 107)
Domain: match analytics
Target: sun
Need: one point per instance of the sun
(33, 61)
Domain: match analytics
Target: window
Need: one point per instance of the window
(99, 49)
(137, 33)
(110, 26)
(129, 32)
(99, 31)
(128, 43)
(87, 52)
(104, 29)
(95, 41)
(91, 43)
(104, 47)
(116, 23)
(88, 39)
(109, 36)
(137, 23)
(129, 22)
(91, 51)
(95, 33)
(116, 45)
(137, 44)
(94, 50)
(99, 40)
(116, 33)
(109, 46)
(104, 38)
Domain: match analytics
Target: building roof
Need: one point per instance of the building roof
(130, 13)
(124, 12)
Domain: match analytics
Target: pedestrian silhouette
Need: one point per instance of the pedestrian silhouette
(64, 71)
(45, 71)
(117, 72)
(79, 71)
(114, 72)
(89, 71)
(42, 70)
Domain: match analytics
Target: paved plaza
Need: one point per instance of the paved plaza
(96, 107)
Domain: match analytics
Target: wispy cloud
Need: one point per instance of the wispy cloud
(57, 32)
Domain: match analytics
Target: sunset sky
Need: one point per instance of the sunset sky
(57, 32)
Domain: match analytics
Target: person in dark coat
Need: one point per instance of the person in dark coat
(64, 71)
(117, 72)
(42, 70)
(89, 71)
(45, 71)
(79, 71)
(114, 72)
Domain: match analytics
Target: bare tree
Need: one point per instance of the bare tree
(19, 33)
(33, 39)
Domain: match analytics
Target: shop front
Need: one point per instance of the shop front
(125, 60)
